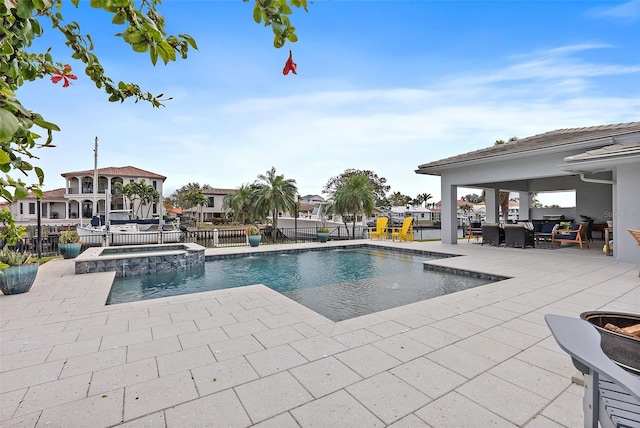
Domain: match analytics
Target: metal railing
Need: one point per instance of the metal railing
(210, 238)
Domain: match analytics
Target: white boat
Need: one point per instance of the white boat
(128, 234)
(305, 227)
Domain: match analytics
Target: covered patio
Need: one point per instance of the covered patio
(600, 163)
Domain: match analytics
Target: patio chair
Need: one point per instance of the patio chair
(405, 232)
(475, 231)
(636, 236)
(492, 234)
(381, 228)
(577, 235)
(611, 395)
(516, 235)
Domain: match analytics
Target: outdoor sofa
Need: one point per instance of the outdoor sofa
(517, 235)
(492, 234)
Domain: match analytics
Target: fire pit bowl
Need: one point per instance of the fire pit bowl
(623, 350)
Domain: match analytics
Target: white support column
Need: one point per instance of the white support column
(492, 201)
(525, 206)
(449, 218)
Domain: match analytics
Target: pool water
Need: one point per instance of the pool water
(338, 284)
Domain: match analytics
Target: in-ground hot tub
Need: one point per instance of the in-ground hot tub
(135, 260)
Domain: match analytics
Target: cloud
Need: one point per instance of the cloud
(312, 134)
(628, 12)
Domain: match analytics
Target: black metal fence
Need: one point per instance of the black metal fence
(223, 237)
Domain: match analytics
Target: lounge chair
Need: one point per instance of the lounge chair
(611, 395)
(577, 235)
(405, 232)
(516, 235)
(381, 228)
(492, 234)
(475, 231)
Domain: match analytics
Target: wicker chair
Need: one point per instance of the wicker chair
(492, 234)
(516, 235)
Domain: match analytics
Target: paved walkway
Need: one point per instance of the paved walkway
(251, 357)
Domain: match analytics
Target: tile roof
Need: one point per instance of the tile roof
(556, 138)
(606, 152)
(50, 194)
(118, 171)
(218, 191)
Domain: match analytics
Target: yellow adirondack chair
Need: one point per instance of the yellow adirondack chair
(405, 232)
(381, 228)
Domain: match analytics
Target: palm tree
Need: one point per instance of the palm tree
(127, 191)
(240, 203)
(273, 193)
(148, 196)
(195, 198)
(354, 197)
(423, 198)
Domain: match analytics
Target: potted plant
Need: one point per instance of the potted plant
(565, 225)
(323, 233)
(253, 235)
(17, 271)
(69, 244)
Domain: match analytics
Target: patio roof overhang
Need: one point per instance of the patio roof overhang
(603, 159)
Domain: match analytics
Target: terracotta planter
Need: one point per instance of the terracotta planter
(18, 279)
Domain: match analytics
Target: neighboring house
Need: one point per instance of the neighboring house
(53, 206)
(312, 199)
(601, 164)
(419, 213)
(214, 209)
(80, 194)
(60, 206)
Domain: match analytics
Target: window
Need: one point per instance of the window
(131, 180)
(32, 208)
(211, 201)
(155, 209)
(154, 183)
(21, 208)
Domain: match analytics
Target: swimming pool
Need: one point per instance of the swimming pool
(338, 283)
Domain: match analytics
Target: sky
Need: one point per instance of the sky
(381, 85)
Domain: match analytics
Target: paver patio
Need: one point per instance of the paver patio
(251, 357)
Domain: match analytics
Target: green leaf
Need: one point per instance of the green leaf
(118, 18)
(189, 40)
(46, 125)
(24, 9)
(140, 47)
(278, 41)
(257, 13)
(4, 158)
(40, 174)
(153, 52)
(20, 192)
(8, 125)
